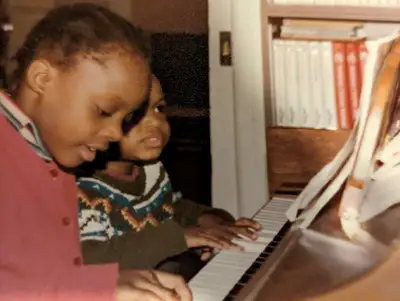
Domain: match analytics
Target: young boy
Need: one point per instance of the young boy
(81, 71)
(129, 214)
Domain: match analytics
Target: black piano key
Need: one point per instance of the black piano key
(256, 265)
(253, 269)
(245, 278)
(269, 249)
(287, 192)
(236, 289)
(229, 298)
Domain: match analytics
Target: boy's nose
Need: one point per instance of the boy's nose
(153, 120)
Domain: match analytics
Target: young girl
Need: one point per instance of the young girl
(81, 72)
(129, 214)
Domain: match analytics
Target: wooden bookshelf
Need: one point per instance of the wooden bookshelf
(295, 155)
(334, 12)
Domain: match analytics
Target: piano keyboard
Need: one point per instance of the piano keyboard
(226, 274)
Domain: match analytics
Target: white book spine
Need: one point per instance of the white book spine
(341, 2)
(305, 101)
(382, 2)
(292, 87)
(271, 59)
(324, 2)
(279, 81)
(329, 85)
(316, 84)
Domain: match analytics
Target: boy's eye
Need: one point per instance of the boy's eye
(128, 118)
(160, 108)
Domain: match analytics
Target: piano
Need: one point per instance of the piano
(239, 267)
(349, 249)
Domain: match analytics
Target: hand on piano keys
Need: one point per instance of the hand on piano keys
(228, 272)
(244, 227)
(217, 234)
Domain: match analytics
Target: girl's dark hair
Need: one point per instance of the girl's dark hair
(81, 28)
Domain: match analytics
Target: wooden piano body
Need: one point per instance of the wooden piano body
(321, 263)
(311, 263)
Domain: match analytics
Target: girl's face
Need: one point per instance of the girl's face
(146, 140)
(81, 109)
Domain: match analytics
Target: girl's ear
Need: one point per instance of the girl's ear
(39, 75)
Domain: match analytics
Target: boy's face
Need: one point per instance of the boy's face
(81, 109)
(146, 140)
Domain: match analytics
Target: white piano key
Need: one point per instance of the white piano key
(249, 246)
(221, 274)
(263, 238)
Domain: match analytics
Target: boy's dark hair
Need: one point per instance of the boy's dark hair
(80, 28)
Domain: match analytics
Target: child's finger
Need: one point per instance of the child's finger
(175, 283)
(206, 255)
(155, 290)
(224, 236)
(222, 242)
(247, 222)
(223, 233)
(136, 294)
(244, 231)
(204, 240)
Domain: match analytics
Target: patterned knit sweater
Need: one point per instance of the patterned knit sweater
(136, 220)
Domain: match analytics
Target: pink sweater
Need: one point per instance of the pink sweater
(40, 256)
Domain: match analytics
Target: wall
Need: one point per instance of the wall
(238, 140)
(171, 15)
(24, 13)
(225, 192)
(153, 15)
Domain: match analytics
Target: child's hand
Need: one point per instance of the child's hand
(247, 227)
(137, 285)
(243, 226)
(215, 238)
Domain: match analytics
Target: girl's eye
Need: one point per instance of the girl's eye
(103, 113)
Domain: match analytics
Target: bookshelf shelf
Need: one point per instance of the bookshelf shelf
(297, 154)
(334, 12)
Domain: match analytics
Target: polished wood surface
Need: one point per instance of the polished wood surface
(296, 155)
(380, 284)
(322, 259)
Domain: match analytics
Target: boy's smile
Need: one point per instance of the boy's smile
(154, 139)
